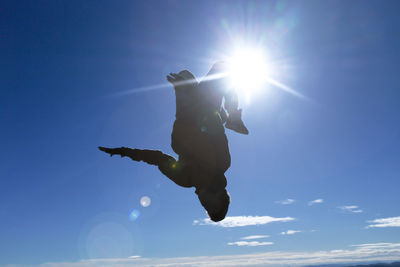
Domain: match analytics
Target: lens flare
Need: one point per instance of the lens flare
(134, 215)
(145, 201)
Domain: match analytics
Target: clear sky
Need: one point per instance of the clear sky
(318, 174)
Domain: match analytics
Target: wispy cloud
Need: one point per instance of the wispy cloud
(371, 246)
(315, 201)
(286, 201)
(237, 221)
(290, 232)
(356, 253)
(251, 237)
(250, 243)
(385, 222)
(352, 208)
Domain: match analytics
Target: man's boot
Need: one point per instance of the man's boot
(235, 122)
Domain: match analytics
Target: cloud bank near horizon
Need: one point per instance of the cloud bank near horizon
(355, 254)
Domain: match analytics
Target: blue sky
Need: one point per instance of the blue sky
(68, 78)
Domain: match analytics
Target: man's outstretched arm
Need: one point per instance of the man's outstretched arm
(174, 170)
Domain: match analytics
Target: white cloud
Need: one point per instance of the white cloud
(356, 253)
(315, 201)
(352, 208)
(286, 201)
(237, 221)
(377, 246)
(290, 232)
(385, 222)
(250, 243)
(251, 237)
(134, 257)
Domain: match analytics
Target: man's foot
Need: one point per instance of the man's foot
(235, 122)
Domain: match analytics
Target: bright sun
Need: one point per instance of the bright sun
(247, 70)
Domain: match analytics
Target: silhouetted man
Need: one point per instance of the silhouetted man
(198, 137)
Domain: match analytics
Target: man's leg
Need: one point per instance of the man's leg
(176, 171)
(216, 88)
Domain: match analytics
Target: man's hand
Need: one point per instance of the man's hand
(122, 151)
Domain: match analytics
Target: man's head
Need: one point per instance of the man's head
(216, 203)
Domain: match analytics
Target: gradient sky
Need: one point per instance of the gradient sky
(74, 76)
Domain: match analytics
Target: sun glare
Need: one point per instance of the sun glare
(248, 70)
